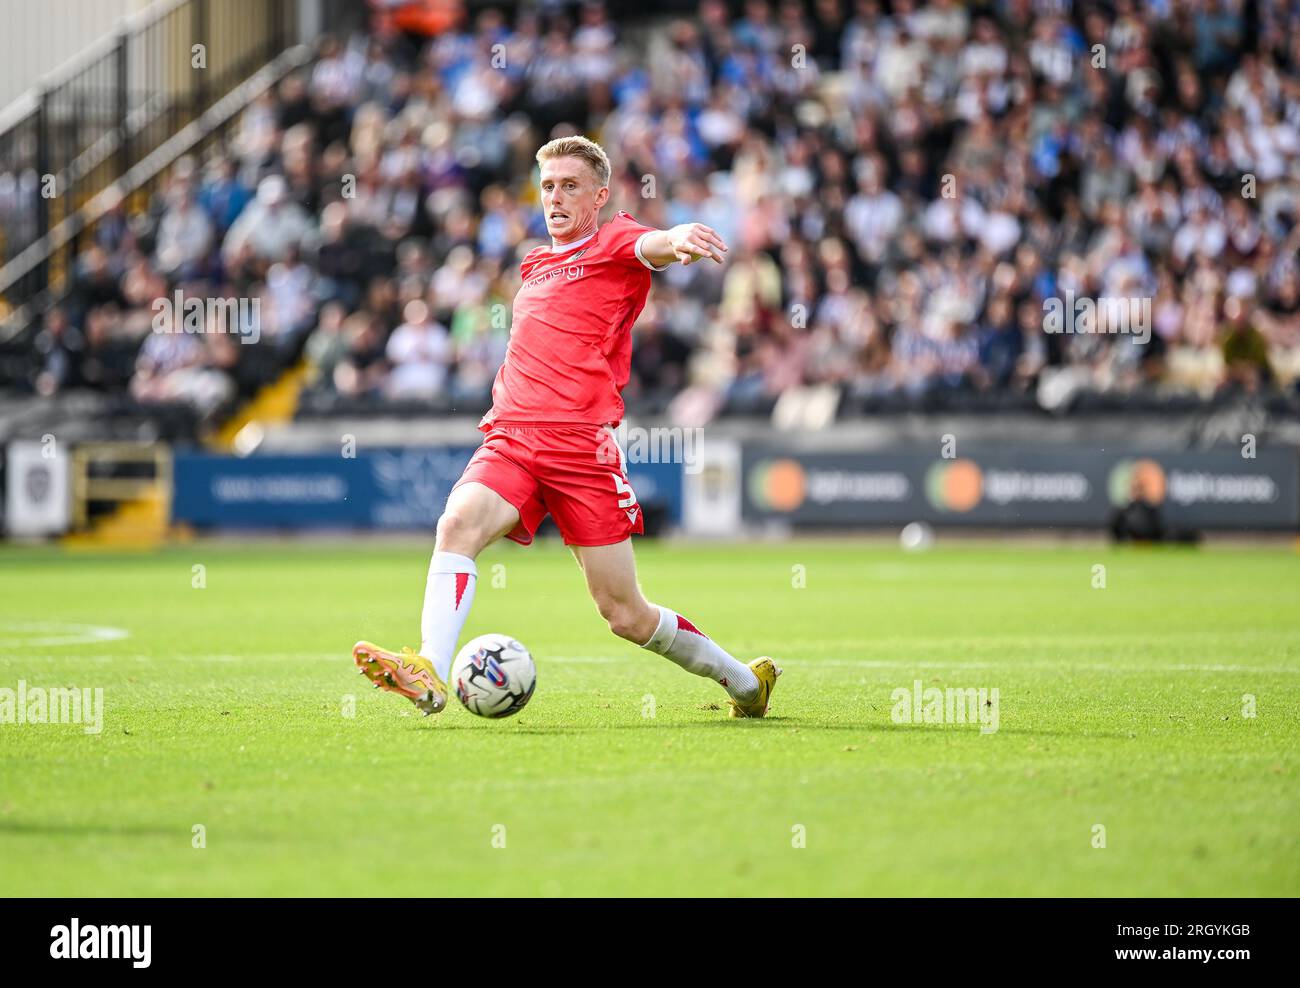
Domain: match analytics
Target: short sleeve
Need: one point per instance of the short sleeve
(624, 240)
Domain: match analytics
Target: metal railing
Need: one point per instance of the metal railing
(67, 143)
(115, 473)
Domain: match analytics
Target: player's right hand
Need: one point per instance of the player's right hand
(693, 241)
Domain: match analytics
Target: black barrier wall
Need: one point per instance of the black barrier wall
(1024, 487)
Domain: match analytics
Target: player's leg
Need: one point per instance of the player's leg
(476, 516)
(610, 571)
(585, 483)
(496, 495)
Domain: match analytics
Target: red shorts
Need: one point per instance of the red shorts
(575, 473)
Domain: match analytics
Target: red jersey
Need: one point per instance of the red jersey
(570, 350)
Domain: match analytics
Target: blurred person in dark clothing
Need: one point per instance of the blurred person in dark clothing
(658, 356)
(95, 282)
(109, 359)
(1245, 351)
(1142, 520)
(58, 347)
(1000, 343)
(364, 369)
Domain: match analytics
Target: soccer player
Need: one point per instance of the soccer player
(550, 446)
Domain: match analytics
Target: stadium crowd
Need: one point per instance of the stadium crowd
(903, 184)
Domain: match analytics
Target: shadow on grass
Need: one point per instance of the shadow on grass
(649, 724)
(772, 723)
(28, 828)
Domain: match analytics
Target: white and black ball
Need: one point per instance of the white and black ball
(494, 676)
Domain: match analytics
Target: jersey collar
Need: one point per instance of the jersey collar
(565, 248)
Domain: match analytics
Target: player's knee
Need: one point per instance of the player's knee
(623, 623)
(457, 533)
(625, 619)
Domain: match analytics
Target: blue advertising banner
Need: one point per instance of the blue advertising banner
(1077, 487)
(401, 489)
(658, 485)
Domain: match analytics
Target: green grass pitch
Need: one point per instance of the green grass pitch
(227, 709)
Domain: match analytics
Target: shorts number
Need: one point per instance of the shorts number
(623, 487)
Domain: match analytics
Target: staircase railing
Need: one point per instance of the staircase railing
(107, 123)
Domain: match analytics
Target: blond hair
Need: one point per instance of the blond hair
(578, 147)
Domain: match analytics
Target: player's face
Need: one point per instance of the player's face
(571, 198)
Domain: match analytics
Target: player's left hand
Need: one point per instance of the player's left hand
(693, 241)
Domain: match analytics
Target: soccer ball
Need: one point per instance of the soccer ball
(916, 536)
(494, 676)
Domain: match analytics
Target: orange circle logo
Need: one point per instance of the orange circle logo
(955, 486)
(778, 485)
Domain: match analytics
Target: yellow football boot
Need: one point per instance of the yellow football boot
(406, 673)
(766, 671)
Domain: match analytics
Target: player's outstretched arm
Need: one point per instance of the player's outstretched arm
(686, 242)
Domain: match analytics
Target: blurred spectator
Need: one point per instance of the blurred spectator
(362, 370)
(183, 368)
(1245, 351)
(184, 233)
(59, 346)
(420, 352)
(289, 302)
(270, 227)
(223, 196)
(327, 345)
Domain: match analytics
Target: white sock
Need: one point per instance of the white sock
(693, 650)
(448, 594)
